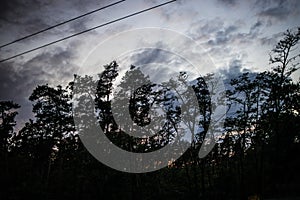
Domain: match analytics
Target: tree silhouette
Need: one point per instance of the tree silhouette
(285, 61)
(256, 157)
(135, 96)
(7, 122)
(46, 138)
(8, 112)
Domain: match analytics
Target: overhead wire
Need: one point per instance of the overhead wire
(90, 29)
(59, 24)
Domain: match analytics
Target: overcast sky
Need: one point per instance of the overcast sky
(237, 35)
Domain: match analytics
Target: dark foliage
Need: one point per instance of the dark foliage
(257, 157)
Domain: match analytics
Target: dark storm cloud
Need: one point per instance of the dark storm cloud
(277, 10)
(255, 27)
(228, 2)
(55, 66)
(12, 9)
(19, 80)
(158, 63)
(216, 33)
(19, 18)
(147, 56)
(278, 13)
(232, 34)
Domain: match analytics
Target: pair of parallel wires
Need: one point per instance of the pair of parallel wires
(79, 33)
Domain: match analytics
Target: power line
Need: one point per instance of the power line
(59, 24)
(79, 33)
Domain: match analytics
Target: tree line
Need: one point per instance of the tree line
(256, 157)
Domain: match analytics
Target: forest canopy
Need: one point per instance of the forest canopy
(257, 156)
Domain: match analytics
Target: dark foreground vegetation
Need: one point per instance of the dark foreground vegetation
(257, 157)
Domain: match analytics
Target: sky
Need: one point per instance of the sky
(235, 35)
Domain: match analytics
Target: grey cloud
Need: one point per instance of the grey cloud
(159, 1)
(222, 40)
(146, 56)
(276, 10)
(228, 2)
(19, 18)
(278, 13)
(11, 10)
(52, 65)
(174, 11)
(159, 56)
(270, 40)
(19, 80)
(54, 10)
(203, 29)
(234, 69)
(255, 28)
(216, 33)
(232, 35)
(223, 36)
(163, 64)
(266, 3)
